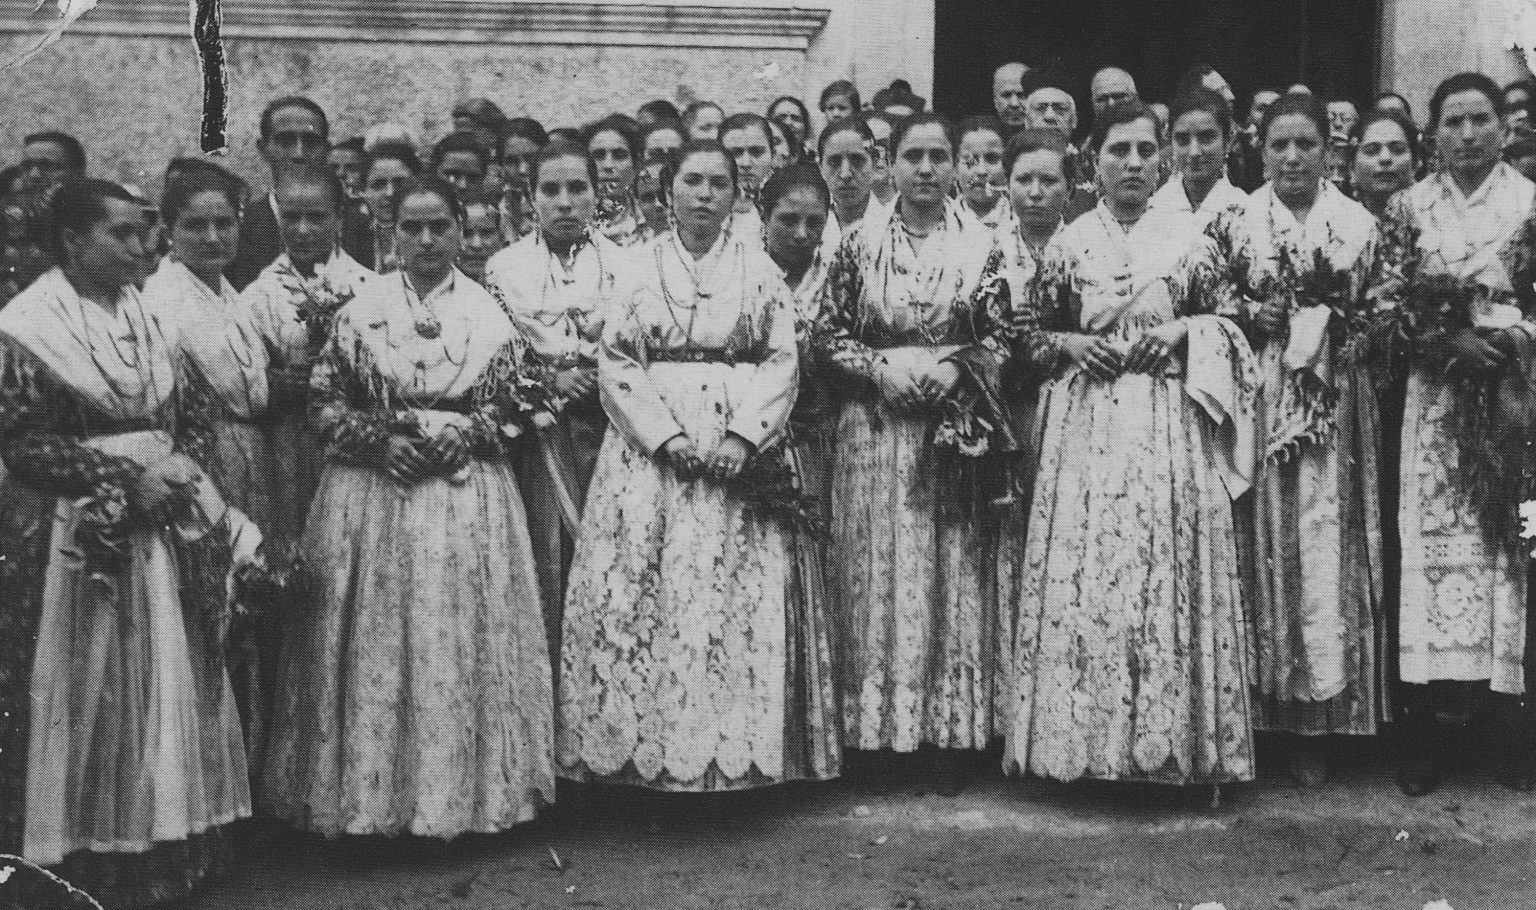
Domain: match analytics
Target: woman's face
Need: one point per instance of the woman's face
(1384, 160)
(348, 165)
(611, 154)
(1294, 156)
(1128, 163)
(789, 115)
(652, 198)
(385, 178)
(848, 166)
(1039, 189)
(925, 165)
(517, 159)
(1199, 148)
(781, 145)
(706, 123)
(308, 222)
(751, 148)
(428, 237)
(662, 144)
(111, 254)
(981, 169)
(1517, 106)
(462, 169)
(794, 228)
(702, 193)
(1469, 133)
(565, 199)
(837, 107)
(205, 233)
(482, 238)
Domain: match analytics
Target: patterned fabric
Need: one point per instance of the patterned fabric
(693, 656)
(415, 687)
(560, 311)
(97, 654)
(1131, 653)
(912, 579)
(1463, 600)
(274, 302)
(1174, 198)
(1316, 582)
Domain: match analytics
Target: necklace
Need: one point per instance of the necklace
(427, 324)
(83, 336)
(549, 317)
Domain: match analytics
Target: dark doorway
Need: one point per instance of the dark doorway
(1331, 45)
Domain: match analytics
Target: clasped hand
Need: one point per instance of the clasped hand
(164, 486)
(1475, 351)
(725, 462)
(410, 459)
(1101, 359)
(908, 390)
(576, 383)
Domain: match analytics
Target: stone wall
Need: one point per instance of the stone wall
(1424, 41)
(126, 81)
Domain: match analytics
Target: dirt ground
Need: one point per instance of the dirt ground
(1353, 843)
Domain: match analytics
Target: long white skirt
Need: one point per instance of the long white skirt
(678, 663)
(415, 692)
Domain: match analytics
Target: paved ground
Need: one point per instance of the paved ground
(1353, 843)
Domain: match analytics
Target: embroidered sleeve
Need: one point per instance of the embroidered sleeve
(37, 446)
(632, 402)
(1049, 312)
(1212, 276)
(991, 308)
(835, 337)
(349, 401)
(763, 413)
(195, 411)
(510, 395)
(1519, 258)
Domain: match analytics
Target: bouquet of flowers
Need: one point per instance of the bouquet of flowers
(101, 537)
(770, 487)
(1314, 281)
(265, 586)
(317, 301)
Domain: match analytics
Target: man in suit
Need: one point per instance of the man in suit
(294, 130)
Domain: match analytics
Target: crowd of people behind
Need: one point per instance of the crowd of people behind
(703, 452)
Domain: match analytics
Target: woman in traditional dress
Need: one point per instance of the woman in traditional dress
(1458, 255)
(224, 374)
(1293, 265)
(795, 206)
(916, 324)
(839, 102)
(482, 233)
(659, 141)
(784, 151)
(1386, 160)
(748, 139)
(1041, 173)
(687, 662)
(294, 302)
(120, 751)
(554, 284)
(1131, 656)
(416, 696)
(1200, 132)
(390, 166)
(796, 119)
(980, 179)
(615, 150)
(847, 155)
(651, 198)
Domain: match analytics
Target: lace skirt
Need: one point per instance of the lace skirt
(913, 582)
(1463, 610)
(1131, 652)
(694, 648)
(414, 694)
